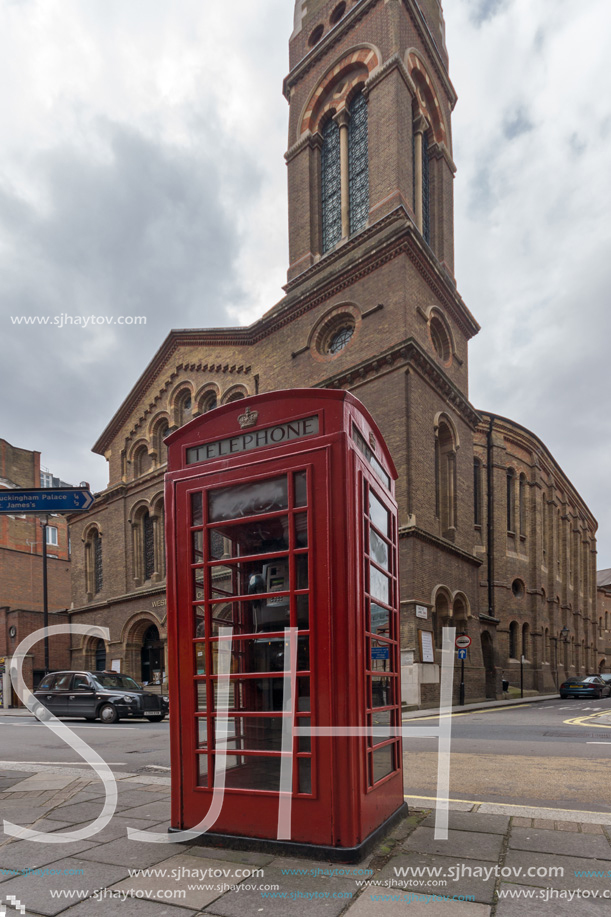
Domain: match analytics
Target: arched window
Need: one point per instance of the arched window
(183, 408)
(141, 462)
(546, 645)
(445, 479)
(526, 641)
(100, 656)
(344, 159)
(358, 163)
(511, 500)
(522, 503)
(237, 396)
(331, 186)
(477, 492)
(93, 563)
(208, 402)
(161, 450)
(151, 657)
(513, 640)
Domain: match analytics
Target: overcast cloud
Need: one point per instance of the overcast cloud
(142, 173)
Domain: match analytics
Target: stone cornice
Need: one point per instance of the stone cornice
(408, 353)
(412, 531)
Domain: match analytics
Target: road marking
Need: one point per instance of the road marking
(598, 743)
(77, 725)
(581, 720)
(509, 805)
(65, 763)
(438, 716)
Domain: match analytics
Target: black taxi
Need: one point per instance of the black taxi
(107, 696)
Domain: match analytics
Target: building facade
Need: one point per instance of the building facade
(603, 604)
(21, 568)
(371, 306)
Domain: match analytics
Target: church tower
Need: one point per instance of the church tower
(370, 176)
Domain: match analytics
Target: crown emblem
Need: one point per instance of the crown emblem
(248, 418)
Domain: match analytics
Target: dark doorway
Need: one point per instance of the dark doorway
(151, 657)
(488, 659)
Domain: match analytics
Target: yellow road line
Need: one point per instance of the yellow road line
(512, 805)
(438, 716)
(582, 720)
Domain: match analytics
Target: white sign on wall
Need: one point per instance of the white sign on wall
(422, 611)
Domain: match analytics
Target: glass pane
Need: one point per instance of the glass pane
(228, 581)
(305, 775)
(383, 724)
(378, 549)
(301, 493)
(303, 694)
(198, 547)
(200, 658)
(248, 773)
(301, 563)
(248, 499)
(267, 537)
(383, 762)
(198, 584)
(301, 530)
(303, 611)
(201, 695)
(202, 770)
(381, 691)
(380, 656)
(379, 584)
(257, 733)
(379, 620)
(378, 513)
(264, 654)
(200, 622)
(250, 617)
(197, 517)
(304, 743)
(256, 694)
(201, 727)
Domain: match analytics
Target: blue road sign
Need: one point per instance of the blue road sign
(462, 653)
(380, 652)
(42, 500)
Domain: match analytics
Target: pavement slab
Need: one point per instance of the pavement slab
(39, 783)
(152, 811)
(249, 857)
(35, 890)
(78, 812)
(563, 842)
(554, 907)
(132, 853)
(473, 844)
(429, 874)
(279, 895)
(104, 905)
(189, 874)
(567, 867)
(31, 854)
(472, 821)
(396, 904)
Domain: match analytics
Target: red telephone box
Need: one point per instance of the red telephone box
(280, 513)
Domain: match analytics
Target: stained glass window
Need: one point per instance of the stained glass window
(97, 564)
(331, 186)
(426, 194)
(149, 547)
(358, 163)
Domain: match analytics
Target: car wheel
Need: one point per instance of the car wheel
(108, 714)
(156, 719)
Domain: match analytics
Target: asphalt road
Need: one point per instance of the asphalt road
(531, 755)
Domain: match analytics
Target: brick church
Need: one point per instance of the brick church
(494, 538)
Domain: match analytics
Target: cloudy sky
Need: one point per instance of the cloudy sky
(142, 174)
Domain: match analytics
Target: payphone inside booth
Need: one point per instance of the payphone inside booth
(280, 514)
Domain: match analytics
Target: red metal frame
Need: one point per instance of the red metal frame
(237, 550)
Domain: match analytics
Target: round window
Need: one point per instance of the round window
(440, 339)
(338, 12)
(340, 338)
(518, 588)
(316, 35)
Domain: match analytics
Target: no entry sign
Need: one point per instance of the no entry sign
(462, 641)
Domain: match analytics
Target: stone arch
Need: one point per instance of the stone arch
(132, 637)
(339, 81)
(441, 600)
(206, 395)
(235, 393)
(427, 98)
(461, 608)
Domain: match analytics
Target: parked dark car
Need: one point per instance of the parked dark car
(108, 696)
(606, 677)
(590, 686)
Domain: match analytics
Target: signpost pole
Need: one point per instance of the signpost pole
(522, 675)
(45, 591)
(461, 700)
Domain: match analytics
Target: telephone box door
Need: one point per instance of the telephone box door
(252, 555)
